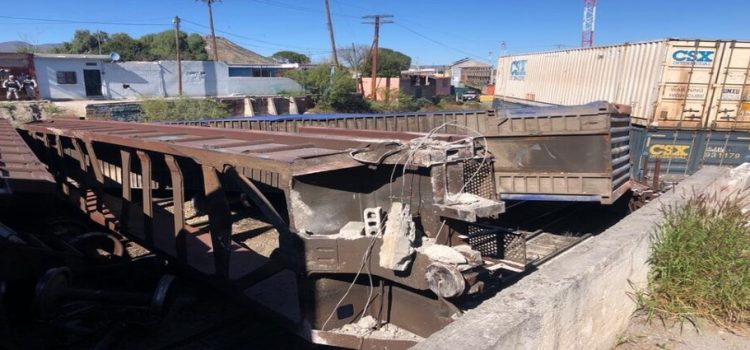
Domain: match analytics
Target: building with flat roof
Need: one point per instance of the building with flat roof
(76, 77)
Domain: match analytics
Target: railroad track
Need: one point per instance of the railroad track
(543, 246)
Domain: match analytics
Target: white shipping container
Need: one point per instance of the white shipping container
(668, 83)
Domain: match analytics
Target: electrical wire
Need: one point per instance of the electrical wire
(368, 251)
(438, 42)
(283, 46)
(409, 158)
(301, 8)
(55, 20)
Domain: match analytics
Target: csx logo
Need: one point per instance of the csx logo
(689, 56)
(668, 151)
(518, 70)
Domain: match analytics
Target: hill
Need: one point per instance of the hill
(232, 53)
(13, 46)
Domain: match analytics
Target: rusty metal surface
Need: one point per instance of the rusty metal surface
(566, 153)
(323, 180)
(20, 170)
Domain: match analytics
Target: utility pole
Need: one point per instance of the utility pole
(330, 33)
(176, 22)
(377, 20)
(211, 24)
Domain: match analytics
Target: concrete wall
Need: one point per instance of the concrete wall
(200, 78)
(130, 80)
(141, 79)
(580, 299)
(46, 77)
(382, 84)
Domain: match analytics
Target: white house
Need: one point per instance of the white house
(69, 77)
(75, 77)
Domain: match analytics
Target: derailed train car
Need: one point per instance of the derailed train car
(567, 153)
(394, 244)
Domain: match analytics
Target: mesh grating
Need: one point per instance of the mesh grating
(482, 184)
(498, 243)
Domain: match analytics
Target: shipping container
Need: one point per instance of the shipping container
(565, 153)
(671, 83)
(684, 152)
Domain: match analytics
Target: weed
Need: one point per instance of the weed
(182, 108)
(700, 264)
(10, 107)
(622, 339)
(293, 93)
(52, 109)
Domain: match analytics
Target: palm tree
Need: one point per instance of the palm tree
(211, 23)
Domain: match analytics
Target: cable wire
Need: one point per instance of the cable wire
(55, 20)
(438, 42)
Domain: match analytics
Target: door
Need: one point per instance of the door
(689, 75)
(730, 108)
(92, 79)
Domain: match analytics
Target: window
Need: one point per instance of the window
(257, 72)
(240, 72)
(67, 78)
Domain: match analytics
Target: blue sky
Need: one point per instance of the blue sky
(430, 31)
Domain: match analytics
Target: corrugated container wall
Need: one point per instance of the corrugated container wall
(668, 83)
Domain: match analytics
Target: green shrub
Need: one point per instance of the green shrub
(182, 108)
(396, 102)
(700, 263)
(331, 89)
(52, 109)
(292, 93)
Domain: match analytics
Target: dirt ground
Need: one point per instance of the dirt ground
(642, 334)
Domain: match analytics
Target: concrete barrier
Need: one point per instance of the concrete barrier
(579, 300)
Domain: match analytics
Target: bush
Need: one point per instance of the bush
(331, 89)
(396, 102)
(52, 109)
(700, 263)
(292, 93)
(182, 108)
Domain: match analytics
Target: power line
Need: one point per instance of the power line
(57, 20)
(299, 8)
(439, 43)
(277, 48)
(348, 25)
(453, 34)
(358, 7)
(276, 44)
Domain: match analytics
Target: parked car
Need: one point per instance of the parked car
(470, 95)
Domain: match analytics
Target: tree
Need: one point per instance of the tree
(150, 47)
(390, 63)
(354, 57)
(331, 88)
(196, 47)
(291, 57)
(84, 42)
(129, 49)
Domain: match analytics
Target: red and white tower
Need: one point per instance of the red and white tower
(589, 21)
